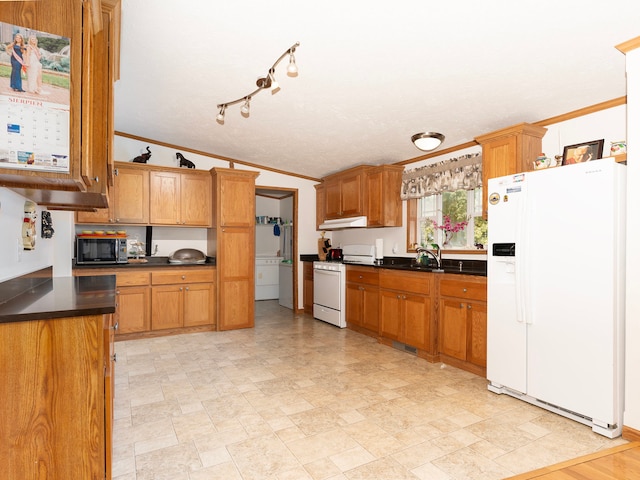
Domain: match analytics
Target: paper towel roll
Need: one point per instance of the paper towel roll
(379, 250)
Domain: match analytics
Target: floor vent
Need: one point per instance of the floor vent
(405, 348)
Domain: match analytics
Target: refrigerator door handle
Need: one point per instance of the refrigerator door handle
(521, 259)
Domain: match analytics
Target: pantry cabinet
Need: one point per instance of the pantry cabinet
(93, 58)
(232, 242)
(462, 338)
(362, 299)
(407, 310)
(507, 151)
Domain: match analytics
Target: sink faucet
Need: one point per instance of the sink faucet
(436, 256)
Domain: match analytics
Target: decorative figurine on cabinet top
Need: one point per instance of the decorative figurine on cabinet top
(143, 157)
(184, 162)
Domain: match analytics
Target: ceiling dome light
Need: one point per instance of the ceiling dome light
(427, 141)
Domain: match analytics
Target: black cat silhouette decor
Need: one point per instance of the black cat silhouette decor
(184, 162)
(143, 157)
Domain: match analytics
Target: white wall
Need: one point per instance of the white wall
(15, 260)
(632, 379)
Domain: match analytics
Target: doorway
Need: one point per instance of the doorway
(277, 237)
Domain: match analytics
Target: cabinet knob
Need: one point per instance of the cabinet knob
(97, 179)
(118, 220)
(360, 288)
(187, 289)
(115, 326)
(398, 297)
(183, 277)
(359, 276)
(464, 290)
(462, 305)
(469, 307)
(180, 288)
(114, 357)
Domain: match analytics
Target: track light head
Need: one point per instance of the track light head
(220, 117)
(245, 110)
(292, 68)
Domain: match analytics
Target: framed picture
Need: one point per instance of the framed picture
(582, 152)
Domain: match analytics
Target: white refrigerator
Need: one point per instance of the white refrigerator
(555, 286)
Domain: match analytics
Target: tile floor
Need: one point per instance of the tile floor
(297, 399)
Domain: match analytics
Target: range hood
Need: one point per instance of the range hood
(339, 223)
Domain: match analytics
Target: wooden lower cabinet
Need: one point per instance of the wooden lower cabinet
(462, 332)
(160, 301)
(362, 300)
(307, 288)
(182, 298)
(56, 398)
(407, 310)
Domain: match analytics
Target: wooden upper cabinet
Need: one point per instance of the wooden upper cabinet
(164, 198)
(195, 199)
(384, 206)
(131, 195)
(508, 151)
(180, 198)
(345, 193)
(92, 58)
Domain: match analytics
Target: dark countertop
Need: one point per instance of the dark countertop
(453, 266)
(59, 297)
(154, 262)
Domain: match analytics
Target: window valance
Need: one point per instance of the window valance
(461, 173)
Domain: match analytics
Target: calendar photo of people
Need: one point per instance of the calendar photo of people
(34, 99)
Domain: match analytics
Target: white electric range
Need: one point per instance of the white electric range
(330, 283)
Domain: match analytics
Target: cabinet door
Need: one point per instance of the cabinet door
(234, 209)
(354, 304)
(195, 201)
(164, 198)
(477, 341)
(236, 284)
(307, 289)
(332, 199)
(167, 305)
(101, 216)
(352, 196)
(453, 328)
(390, 310)
(131, 195)
(133, 309)
(370, 308)
(416, 314)
(320, 205)
(198, 304)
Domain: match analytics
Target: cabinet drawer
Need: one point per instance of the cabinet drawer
(412, 282)
(366, 275)
(129, 279)
(464, 289)
(182, 276)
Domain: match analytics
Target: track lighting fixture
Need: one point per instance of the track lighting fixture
(268, 81)
(427, 141)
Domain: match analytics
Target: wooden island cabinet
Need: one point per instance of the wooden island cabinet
(57, 367)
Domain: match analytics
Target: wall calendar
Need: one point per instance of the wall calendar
(34, 100)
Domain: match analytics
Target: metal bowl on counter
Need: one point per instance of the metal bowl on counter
(187, 256)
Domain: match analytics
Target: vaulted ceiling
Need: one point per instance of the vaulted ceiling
(371, 74)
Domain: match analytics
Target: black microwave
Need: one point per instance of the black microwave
(100, 250)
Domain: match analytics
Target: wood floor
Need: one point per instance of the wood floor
(618, 463)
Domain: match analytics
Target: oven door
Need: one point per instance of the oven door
(327, 290)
